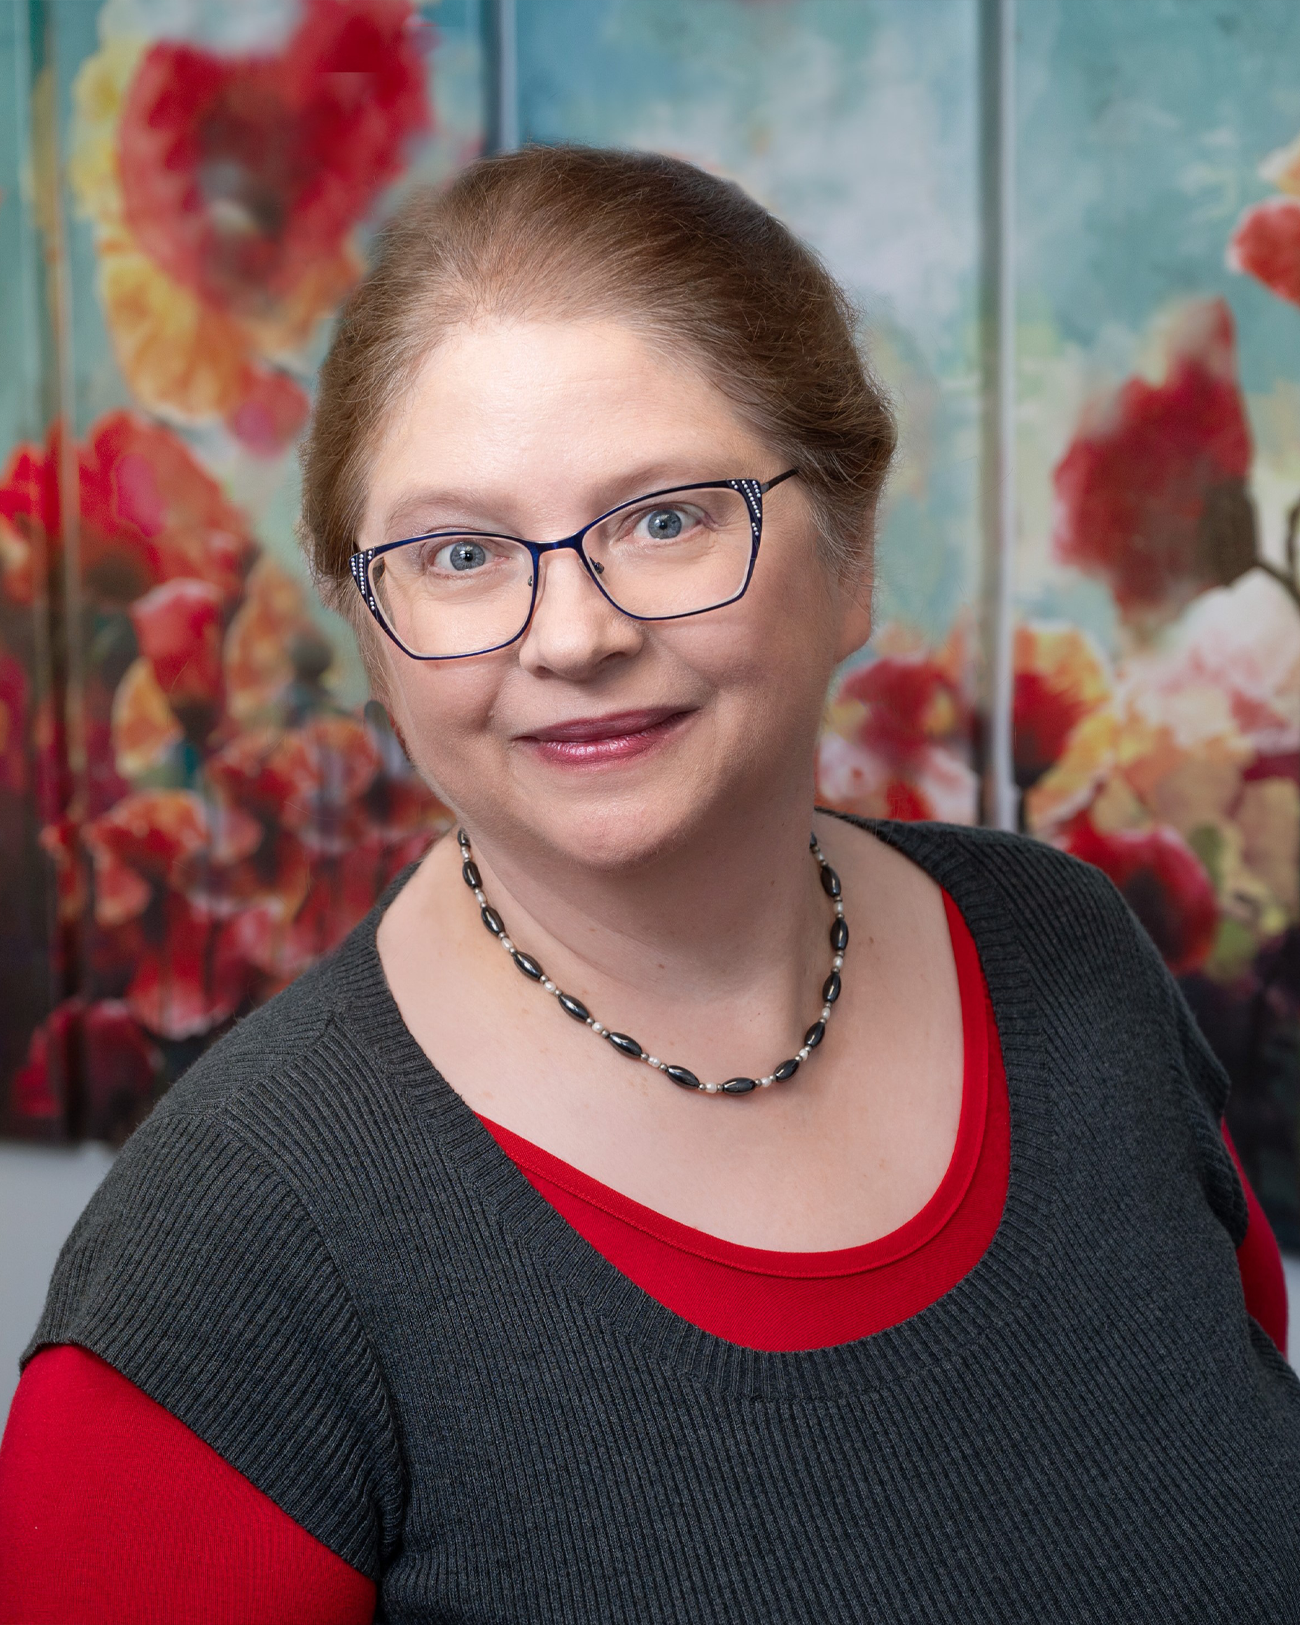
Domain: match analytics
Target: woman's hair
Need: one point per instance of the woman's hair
(573, 232)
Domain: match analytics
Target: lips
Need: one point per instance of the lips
(615, 737)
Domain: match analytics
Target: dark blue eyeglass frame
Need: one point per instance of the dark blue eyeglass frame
(751, 490)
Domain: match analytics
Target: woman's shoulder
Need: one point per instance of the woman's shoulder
(290, 1073)
(1015, 874)
(1049, 928)
(213, 1247)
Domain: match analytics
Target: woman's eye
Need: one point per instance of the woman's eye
(663, 524)
(461, 555)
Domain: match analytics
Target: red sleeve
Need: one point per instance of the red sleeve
(111, 1510)
(1263, 1279)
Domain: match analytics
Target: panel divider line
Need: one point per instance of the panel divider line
(997, 26)
(502, 47)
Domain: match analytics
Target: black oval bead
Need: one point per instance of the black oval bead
(682, 1075)
(739, 1086)
(495, 924)
(626, 1046)
(574, 1007)
(470, 875)
(787, 1069)
(831, 988)
(840, 935)
(812, 841)
(528, 965)
(462, 837)
(830, 881)
(815, 1034)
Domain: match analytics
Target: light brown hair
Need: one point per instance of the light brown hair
(571, 232)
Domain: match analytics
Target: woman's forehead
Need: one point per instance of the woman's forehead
(532, 412)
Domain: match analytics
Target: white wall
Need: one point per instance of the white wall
(42, 1192)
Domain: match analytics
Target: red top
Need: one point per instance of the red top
(112, 1510)
(774, 1300)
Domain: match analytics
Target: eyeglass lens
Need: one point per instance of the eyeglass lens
(677, 553)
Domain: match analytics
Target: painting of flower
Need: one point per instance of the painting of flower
(225, 192)
(897, 733)
(233, 822)
(213, 816)
(1151, 493)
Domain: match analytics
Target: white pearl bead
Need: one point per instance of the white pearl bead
(480, 898)
(826, 1010)
(653, 1060)
(803, 1054)
(838, 962)
(506, 944)
(548, 984)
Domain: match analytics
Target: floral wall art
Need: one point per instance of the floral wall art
(197, 795)
(197, 798)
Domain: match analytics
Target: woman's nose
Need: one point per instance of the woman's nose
(574, 628)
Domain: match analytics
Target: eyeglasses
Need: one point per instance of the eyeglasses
(453, 593)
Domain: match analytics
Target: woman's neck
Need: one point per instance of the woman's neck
(734, 904)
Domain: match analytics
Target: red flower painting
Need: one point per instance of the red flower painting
(226, 189)
(175, 745)
(1163, 882)
(898, 733)
(1151, 494)
(1266, 245)
(148, 511)
(231, 821)
(1266, 241)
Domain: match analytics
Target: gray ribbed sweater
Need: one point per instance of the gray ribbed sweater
(315, 1255)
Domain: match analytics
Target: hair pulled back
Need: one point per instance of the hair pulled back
(571, 232)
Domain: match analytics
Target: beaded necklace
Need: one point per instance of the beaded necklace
(686, 1079)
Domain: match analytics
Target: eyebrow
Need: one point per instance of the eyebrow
(418, 512)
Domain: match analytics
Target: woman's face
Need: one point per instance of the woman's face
(594, 735)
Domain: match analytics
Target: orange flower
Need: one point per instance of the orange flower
(271, 639)
(144, 729)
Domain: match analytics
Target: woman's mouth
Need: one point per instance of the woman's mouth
(592, 741)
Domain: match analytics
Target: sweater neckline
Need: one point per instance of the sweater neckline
(997, 1292)
(858, 1259)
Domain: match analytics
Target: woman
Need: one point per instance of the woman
(671, 1203)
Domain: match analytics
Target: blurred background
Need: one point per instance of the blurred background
(1074, 235)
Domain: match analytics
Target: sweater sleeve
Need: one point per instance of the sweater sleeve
(198, 1275)
(113, 1511)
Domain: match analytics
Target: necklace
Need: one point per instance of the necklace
(839, 940)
